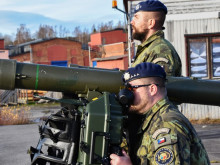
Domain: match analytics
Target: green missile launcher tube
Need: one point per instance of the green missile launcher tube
(79, 80)
(61, 79)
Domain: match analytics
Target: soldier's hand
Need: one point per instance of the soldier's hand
(120, 160)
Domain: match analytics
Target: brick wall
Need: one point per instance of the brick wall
(22, 57)
(108, 37)
(4, 54)
(57, 50)
(113, 37)
(114, 49)
(121, 64)
(85, 53)
(2, 45)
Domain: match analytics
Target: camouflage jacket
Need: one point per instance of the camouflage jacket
(160, 51)
(169, 138)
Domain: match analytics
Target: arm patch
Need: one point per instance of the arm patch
(160, 59)
(167, 140)
(159, 131)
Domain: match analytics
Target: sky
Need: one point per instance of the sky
(68, 13)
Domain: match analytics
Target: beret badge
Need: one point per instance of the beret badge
(144, 70)
(126, 76)
(138, 7)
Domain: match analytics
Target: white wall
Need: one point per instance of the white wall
(176, 29)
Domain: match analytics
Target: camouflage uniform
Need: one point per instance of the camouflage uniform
(160, 51)
(167, 137)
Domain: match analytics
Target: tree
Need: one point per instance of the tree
(85, 36)
(120, 25)
(93, 29)
(23, 35)
(63, 32)
(45, 31)
(105, 26)
(81, 36)
(8, 40)
(77, 33)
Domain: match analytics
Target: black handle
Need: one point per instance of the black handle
(93, 157)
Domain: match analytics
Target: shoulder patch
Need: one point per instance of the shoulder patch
(159, 131)
(164, 156)
(160, 59)
(163, 141)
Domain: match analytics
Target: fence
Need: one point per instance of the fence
(20, 96)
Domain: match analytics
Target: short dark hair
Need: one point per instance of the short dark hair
(155, 80)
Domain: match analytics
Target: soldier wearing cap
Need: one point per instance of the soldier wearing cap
(147, 26)
(165, 135)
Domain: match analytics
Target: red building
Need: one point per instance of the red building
(2, 45)
(3, 52)
(108, 50)
(107, 37)
(112, 46)
(119, 62)
(56, 51)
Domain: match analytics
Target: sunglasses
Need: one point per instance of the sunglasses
(132, 87)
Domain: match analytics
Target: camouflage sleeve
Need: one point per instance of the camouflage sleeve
(173, 147)
(163, 53)
(124, 145)
(169, 68)
(163, 56)
(166, 147)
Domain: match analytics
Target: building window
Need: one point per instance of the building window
(215, 44)
(203, 55)
(27, 48)
(103, 41)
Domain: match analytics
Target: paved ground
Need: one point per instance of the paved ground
(210, 135)
(15, 140)
(14, 143)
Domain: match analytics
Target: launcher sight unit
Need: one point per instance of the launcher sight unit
(89, 126)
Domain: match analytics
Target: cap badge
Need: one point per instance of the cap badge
(138, 7)
(127, 76)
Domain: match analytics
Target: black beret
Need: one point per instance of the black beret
(151, 5)
(143, 70)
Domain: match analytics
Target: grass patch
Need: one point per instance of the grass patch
(206, 121)
(13, 115)
(214, 161)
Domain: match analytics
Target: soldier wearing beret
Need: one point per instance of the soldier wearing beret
(147, 25)
(165, 135)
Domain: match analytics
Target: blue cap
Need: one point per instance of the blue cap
(151, 5)
(143, 70)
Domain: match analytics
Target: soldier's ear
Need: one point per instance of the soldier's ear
(151, 23)
(153, 89)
